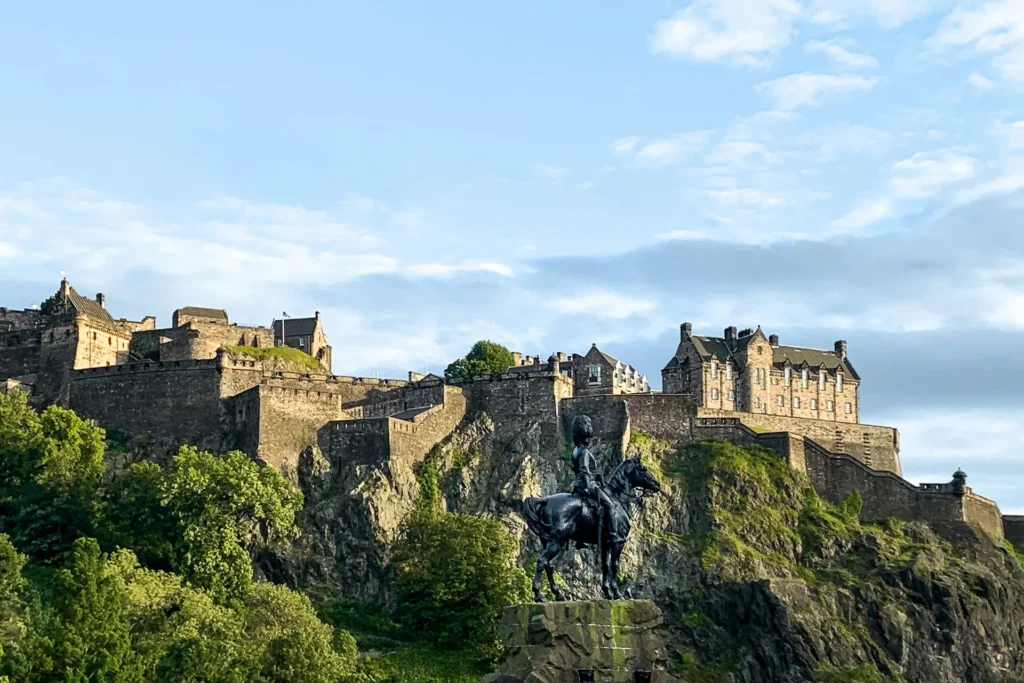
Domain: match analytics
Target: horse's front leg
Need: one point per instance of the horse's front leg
(616, 553)
(544, 562)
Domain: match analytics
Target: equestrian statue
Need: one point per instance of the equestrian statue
(595, 512)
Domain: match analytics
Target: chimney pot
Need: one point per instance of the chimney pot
(773, 340)
(101, 300)
(317, 315)
(730, 332)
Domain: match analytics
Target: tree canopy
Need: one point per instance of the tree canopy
(486, 357)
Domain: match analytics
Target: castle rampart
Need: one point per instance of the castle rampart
(876, 447)
(1013, 527)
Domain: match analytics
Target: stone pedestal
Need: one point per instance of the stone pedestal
(551, 642)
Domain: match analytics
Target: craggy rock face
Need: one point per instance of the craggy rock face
(757, 578)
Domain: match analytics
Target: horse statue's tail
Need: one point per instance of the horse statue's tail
(533, 513)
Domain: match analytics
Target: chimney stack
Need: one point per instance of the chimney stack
(773, 340)
(317, 315)
(101, 300)
(841, 349)
(730, 333)
(685, 331)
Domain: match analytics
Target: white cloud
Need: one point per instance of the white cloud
(748, 32)
(995, 27)
(603, 304)
(1002, 185)
(1011, 133)
(838, 52)
(625, 145)
(747, 198)
(806, 89)
(7, 250)
(443, 270)
(585, 185)
(741, 154)
(925, 173)
(887, 13)
(979, 81)
(832, 140)
(865, 213)
(672, 150)
(549, 171)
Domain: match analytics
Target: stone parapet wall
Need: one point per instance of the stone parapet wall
(875, 446)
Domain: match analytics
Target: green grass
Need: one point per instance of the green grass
(420, 664)
(286, 353)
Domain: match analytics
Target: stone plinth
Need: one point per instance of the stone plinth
(551, 642)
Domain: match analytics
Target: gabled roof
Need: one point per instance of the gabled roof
(88, 307)
(295, 327)
(813, 357)
(719, 347)
(200, 312)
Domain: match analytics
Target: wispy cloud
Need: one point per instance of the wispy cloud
(925, 173)
(672, 150)
(995, 27)
(750, 32)
(549, 171)
(979, 81)
(864, 214)
(809, 89)
(625, 145)
(839, 52)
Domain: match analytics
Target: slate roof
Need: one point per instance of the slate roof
(200, 312)
(295, 327)
(796, 355)
(88, 307)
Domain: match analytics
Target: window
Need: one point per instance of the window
(760, 350)
(757, 403)
(594, 374)
(796, 402)
(803, 378)
(849, 408)
(714, 394)
(780, 400)
(94, 336)
(789, 376)
(829, 408)
(839, 382)
(728, 370)
(732, 395)
(821, 380)
(814, 404)
(110, 341)
(714, 369)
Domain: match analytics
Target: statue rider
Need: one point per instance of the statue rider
(588, 483)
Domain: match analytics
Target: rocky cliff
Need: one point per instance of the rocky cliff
(758, 578)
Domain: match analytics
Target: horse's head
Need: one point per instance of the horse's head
(639, 477)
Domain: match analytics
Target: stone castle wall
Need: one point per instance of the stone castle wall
(292, 414)
(12, 319)
(1013, 527)
(520, 402)
(876, 447)
(177, 400)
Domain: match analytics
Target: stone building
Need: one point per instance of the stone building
(599, 373)
(746, 371)
(40, 345)
(215, 316)
(304, 334)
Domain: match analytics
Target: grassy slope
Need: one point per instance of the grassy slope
(286, 353)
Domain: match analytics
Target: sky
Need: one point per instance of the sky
(548, 175)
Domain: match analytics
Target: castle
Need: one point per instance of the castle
(206, 382)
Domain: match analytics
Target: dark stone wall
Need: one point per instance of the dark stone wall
(1013, 527)
(665, 416)
(520, 403)
(177, 401)
(19, 353)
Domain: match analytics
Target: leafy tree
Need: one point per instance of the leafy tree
(292, 644)
(13, 594)
(221, 506)
(135, 517)
(486, 357)
(50, 469)
(455, 574)
(87, 637)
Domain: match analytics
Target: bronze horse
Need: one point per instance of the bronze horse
(563, 517)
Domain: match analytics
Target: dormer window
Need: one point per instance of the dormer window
(803, 378)
(821, 379)
(788, 373)
(839, 382)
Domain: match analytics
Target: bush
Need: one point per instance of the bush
(455, 573)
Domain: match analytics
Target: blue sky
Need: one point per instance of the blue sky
(548, 175)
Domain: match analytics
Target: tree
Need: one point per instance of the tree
(221, 507)
(291, 644)
(135, 517)
(484, 358)
(87, 638)
(50, 469)
(13, 608)
(455, 574)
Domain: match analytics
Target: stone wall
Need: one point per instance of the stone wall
(292, 415)
(521, 401)
(358, 442)
(177, 400)
(1013, 527)
(411, 440)
(611, 423)
(665, 416)
(12, 319)
(876, 447)
(197, 340)
(99, 345)
(983, 513)
(19, 353)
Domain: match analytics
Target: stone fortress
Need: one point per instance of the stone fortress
(202, 381)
